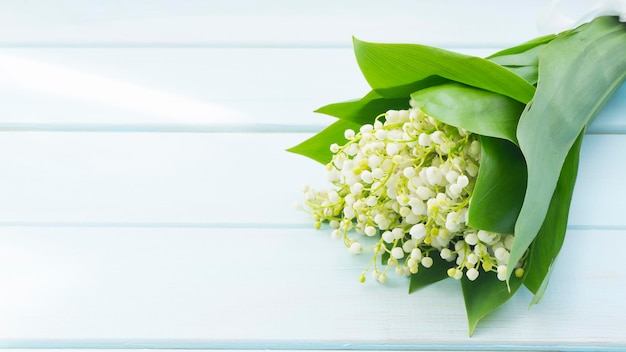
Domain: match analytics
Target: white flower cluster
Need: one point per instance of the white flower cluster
(409, 181)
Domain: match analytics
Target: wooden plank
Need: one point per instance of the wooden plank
(176, 86)
(267, 22)
(144, 177)
(190, 89)
(195, 178)
(278, 288)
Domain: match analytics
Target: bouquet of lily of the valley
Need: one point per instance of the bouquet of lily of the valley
(464, 167)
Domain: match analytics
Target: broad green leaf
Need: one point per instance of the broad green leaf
(428, 276)
(499, 191)
(547, 244)
(529, 73)
(525, 58)
(318, 146)
(485, 294)
(395, 70)
(524, 46)
(578, 74)
(364, 110)
(476, 110)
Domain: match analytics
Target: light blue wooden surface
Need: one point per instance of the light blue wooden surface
(146, 194)
(266, 23)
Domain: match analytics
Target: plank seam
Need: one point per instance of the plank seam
(220, 225)
(216, 128)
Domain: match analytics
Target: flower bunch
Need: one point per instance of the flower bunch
(461, 166)
(408, 179)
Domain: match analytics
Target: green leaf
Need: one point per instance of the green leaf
(485, 294)
(428, 276)
(524, 46)
(364, 110)
(318, 146)
(549, 240)
(395, 70)
(528, 57)
(529, 73)
(499, 191)
(579, 72)
(523, 59)
(476, 110)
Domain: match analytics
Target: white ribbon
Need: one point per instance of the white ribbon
(561, 15)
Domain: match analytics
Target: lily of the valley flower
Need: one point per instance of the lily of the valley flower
(408, 179)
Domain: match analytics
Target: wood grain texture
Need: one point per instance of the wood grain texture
(278, 288)
(240, 179)
(145, 194)
(266, 22)
(192, 89)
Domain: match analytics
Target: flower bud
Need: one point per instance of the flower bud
(472, 274)
(427, 262)
(397, 252)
